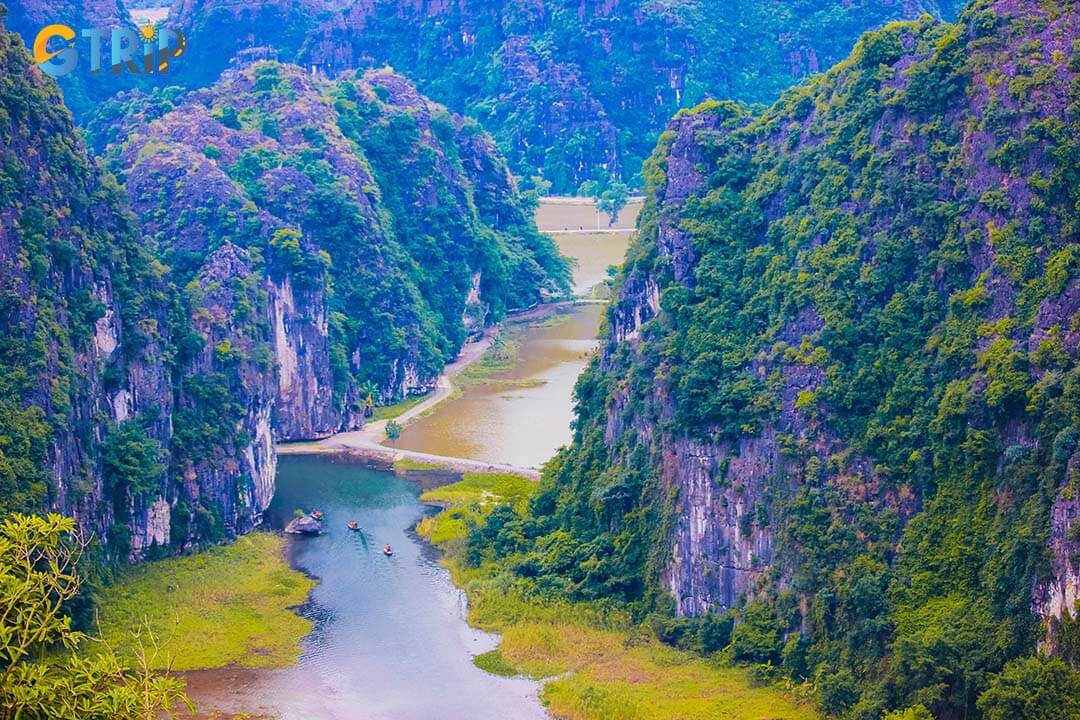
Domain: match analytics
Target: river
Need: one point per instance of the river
(521, 416)
(390, 639)
(390, 632)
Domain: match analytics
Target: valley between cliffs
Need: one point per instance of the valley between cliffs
(386, 633)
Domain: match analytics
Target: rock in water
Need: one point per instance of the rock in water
(306, 525)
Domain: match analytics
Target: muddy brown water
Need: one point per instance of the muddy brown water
(522, 415)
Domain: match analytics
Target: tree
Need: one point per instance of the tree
(613, 199)
(1034, 689)
(757, 636)
(609, 194)
(41, 676)
(132, 460)
(307, 265)
(393, 430)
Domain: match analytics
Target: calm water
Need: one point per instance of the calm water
(558, 215)
(522, 416)
(594, 253)
(390, 638)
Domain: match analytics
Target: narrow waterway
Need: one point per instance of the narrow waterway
(520, 416)
(390, 639)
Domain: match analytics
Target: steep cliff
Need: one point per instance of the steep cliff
(104, 374)
(270, 280)
(838, 391)
(372, 212)
(569, 88)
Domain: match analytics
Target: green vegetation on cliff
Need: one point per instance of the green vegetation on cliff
(571, 90)
(68, 252)
(359, 193)
(847, 417)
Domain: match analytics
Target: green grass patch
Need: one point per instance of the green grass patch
(225, 606)
(600, 665)
(493, 662)
(389, 412)
(482, 489)
(501, 356)
(468, 502)
(407, 465)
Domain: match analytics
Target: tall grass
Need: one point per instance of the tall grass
(225, 606)
(597, 663)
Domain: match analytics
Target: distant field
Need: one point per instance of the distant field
(556, 214)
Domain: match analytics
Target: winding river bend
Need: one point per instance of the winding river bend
(390, 639)
(390, 632)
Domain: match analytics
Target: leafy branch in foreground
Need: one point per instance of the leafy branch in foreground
(42, 676)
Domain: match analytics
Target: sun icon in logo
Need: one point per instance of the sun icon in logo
(148, 33)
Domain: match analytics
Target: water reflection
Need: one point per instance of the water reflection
(390, 638)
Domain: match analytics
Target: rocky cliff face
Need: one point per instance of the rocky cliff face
(387, 228)
(696, 147)
(118, 376)
(570, 89)
(838, 387)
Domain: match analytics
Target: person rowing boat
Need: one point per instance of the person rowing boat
(353, 525)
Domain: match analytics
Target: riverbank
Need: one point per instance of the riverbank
(596, 663)
(389, 637)
(229, 605)
(368, 446)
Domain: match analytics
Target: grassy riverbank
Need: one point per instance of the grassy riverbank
(606, 667)
(226, 606)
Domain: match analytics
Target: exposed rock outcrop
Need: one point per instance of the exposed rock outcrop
(305, 525)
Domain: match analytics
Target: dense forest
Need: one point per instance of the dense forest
(571, 90)
(834, 428)
(574, 91)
